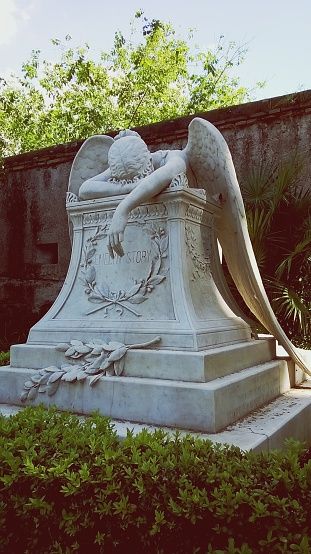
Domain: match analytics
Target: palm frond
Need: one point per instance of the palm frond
(255, 185)
(302, 248)
(290, 305)
(278, 209)
(306, 226)
(258, 220)
(285, 179)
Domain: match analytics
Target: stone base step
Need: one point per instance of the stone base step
(207, 407)
(266, 429)
(201, 366)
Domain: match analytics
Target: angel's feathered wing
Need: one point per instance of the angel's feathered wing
(91, 159)
(210, 160)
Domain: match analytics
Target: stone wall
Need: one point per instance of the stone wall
(34, 243)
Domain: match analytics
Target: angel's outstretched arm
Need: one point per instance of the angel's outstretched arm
(150, 186)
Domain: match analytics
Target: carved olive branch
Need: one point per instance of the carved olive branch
(94, 359)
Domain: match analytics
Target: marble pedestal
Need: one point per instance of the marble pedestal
(202, 370)
(161, 286)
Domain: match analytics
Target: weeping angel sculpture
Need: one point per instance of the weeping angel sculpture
(124, 166)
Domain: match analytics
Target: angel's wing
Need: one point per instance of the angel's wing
(91, 159)
(209, 158)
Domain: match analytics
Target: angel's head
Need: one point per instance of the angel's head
(126, 133)
(129, 157)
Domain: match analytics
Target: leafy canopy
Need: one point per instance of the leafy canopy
(151, 76)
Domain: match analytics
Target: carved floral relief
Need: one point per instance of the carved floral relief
(198, 254)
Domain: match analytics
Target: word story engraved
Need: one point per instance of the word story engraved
(134, 256)
(124, 299)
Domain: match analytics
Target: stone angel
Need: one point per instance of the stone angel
(124, 166)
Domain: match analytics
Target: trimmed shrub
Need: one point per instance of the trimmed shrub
(69, 485)
(4, 358)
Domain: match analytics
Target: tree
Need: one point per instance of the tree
(151, 76)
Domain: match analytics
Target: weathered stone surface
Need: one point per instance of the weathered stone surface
(266, 429)
(158, 285)
(180, 365)
(207, 407)
(193, 380)
(161, 286)
(31, 235)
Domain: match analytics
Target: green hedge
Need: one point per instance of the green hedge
(4, 358)
(68, 485)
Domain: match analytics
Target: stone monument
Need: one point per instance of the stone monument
(145, 328)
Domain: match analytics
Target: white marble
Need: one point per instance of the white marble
(145, 328)
(140, 176)
(265, 429)
(297, 374)
(208, 407)
(162, 286)
(202, 366)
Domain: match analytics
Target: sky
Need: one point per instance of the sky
(277, 32)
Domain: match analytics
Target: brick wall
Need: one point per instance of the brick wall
(34, 243)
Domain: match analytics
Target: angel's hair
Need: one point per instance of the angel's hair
(126, 133)
(129, 157)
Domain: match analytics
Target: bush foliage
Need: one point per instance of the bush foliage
(69, 485)
(4, 358)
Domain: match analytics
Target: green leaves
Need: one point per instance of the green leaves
(70, 486)
(4, 358)
(151, 76)
(278, 208)
(212, 83)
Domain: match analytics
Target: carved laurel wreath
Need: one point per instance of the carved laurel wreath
(93, 359)
(137, 293)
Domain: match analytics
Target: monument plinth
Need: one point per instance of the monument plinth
(196, 369)
(144, 328)
(156, 288)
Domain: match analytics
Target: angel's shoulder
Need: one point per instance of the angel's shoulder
(161, 157)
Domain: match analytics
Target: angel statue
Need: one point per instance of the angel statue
(128, 168)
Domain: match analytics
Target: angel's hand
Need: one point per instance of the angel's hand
(116, 233)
